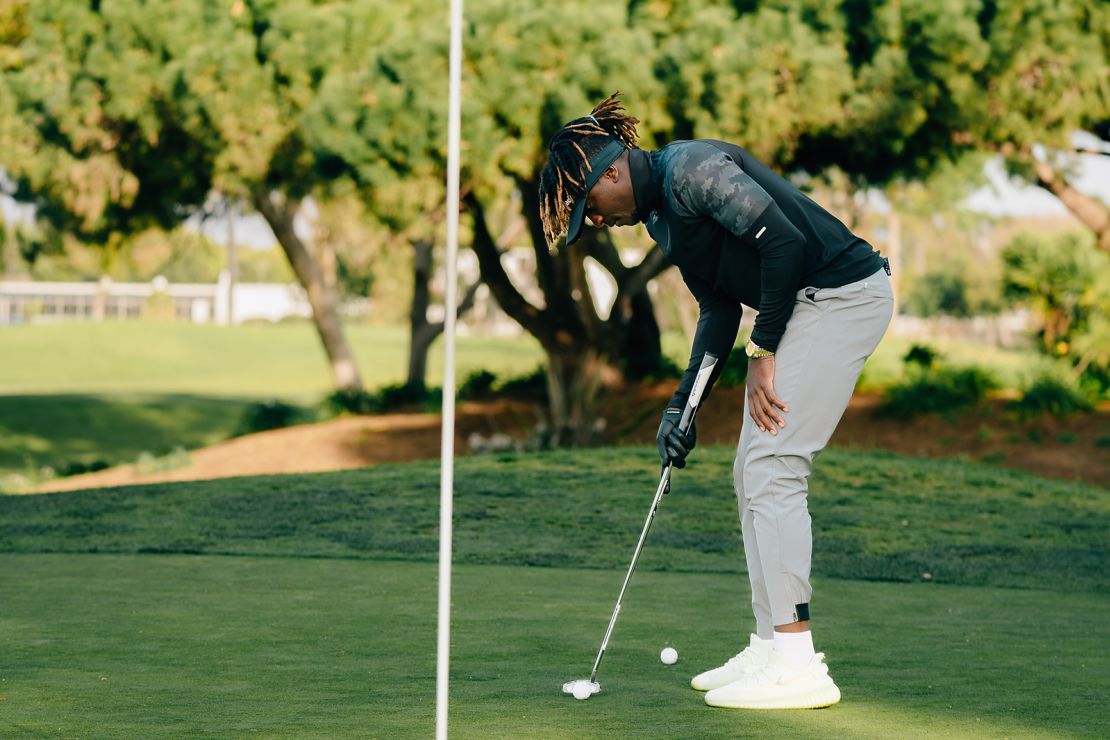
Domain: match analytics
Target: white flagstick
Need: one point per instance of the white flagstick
(447, 444)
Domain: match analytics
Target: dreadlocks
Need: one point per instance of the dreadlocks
(563, 179)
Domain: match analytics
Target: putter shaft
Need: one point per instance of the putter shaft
(664, 480)
(701, 382)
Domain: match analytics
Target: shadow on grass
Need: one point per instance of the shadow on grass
(66, 430)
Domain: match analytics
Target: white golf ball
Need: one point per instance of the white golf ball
(582, 690)
(669, 656)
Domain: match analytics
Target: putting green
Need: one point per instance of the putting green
(174, 645)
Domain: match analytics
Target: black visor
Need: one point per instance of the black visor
(599, 163)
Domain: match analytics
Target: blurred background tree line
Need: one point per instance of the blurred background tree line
(122, 119)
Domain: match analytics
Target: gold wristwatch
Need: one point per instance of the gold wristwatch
(755, 352)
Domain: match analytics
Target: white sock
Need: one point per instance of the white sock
(796, 648)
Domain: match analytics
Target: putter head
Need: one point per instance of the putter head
(593, 686)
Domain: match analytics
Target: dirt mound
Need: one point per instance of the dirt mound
(1073, 448)
(348, 442)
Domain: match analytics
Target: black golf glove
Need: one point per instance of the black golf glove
(674, 446)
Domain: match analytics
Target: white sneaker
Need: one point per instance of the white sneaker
(778, 686)
(748, 660)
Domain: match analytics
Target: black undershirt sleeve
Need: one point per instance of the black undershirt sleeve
(781, 260)
(718, 323)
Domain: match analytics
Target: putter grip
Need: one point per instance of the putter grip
(708, 362)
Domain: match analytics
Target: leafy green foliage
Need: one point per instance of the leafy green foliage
(938, 293)
(346, 401)
(529, 383)
(80, 467)
(1065, 280)
(765, 78)
(1055, 394)
(477, 384)
(264, 266)
(269, 414)
(936, 389)
(395, 397)
(921, 355)
(665, 369)
(735, 373)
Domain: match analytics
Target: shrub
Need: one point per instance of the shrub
(921, 355)
(1065, 280)
(177, 458)
(532, 383)
(1053, 394)
(666, 369)
(735, 373)
(387, 398)
(479, 383)
(944, 292)
(76, 467)
(938, 389)
(266, 415)
(352, 402)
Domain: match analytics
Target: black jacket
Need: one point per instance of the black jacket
(740, 234)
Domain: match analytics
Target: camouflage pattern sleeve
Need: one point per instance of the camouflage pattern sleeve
(710, 184)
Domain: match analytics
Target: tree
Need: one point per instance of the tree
(386, 149)
(118, 116)
(532, 68)
(1063, 279)
(938, 80)
(1048, 79)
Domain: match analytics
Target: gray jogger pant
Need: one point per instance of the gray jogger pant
(830, 335)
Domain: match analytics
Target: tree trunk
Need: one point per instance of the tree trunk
(11, 263)
(420, 338)
(323, 300)
(421, 331)
(232, 266)
(1090, 212)
(584, 352)
(574, 378)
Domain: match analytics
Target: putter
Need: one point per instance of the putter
(582, 686)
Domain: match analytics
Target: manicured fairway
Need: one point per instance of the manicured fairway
(109, 391)
(284, 360)
(876, 516)
(111, 428)
(83, 393)
(287, 360)
(171, 646)
(953, 600)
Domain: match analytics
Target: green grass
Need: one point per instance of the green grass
(176, 646)
(72, 428)
(283, 360)
(876, 516)
(1013, 367)
(110, 391)
(80, 393)
(286, 360)
(304, 606)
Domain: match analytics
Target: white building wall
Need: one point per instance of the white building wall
(28, 301)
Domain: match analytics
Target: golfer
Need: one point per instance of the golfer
(742, 235)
